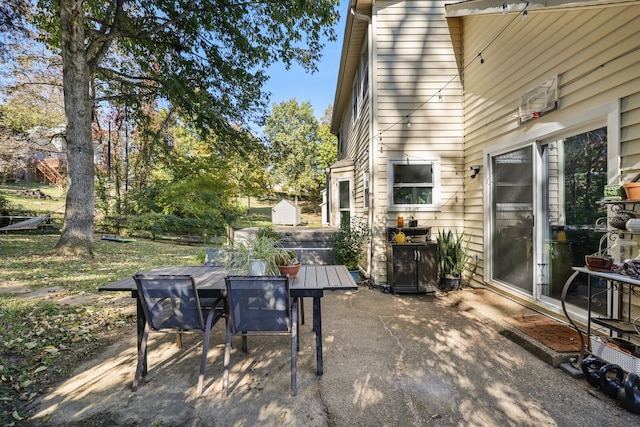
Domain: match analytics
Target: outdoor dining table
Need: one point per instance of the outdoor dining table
(311, 281)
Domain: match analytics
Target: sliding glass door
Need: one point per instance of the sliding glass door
(574, 171)
(512, 218)
(544, 207)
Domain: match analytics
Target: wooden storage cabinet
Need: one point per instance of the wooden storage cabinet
(411, 268)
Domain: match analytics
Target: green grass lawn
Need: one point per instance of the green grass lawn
(34, 206)
(41, 339)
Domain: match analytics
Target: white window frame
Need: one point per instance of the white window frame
(365, 190)
(339, 208)
(435, 185)
(364, 73)
(355, 108)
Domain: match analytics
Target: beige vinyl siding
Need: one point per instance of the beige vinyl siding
(355, 136)
(630, 162)
(414, 60)
(630, 136)
(592, 50)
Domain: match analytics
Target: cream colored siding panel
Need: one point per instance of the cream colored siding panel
(433, 70)
(415, 22)
(631, 163)
(414, 60)
(478, 108)
(629, 104)
(520, 62)
(414, 41)
(403, 103)
(631, 142)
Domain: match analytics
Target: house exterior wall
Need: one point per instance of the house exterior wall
(593, 51)
(418, 58)
(411, 57)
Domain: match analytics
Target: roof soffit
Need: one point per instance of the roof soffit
(344, 164)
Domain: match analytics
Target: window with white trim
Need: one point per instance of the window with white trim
(365, 185)
(413, 183)
(354, 100)
(364, 73)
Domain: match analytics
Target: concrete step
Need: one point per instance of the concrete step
(318, 237)
(312, 244)
(311, 256)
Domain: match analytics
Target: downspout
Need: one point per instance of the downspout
(367, 19)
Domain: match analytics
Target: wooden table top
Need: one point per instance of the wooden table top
(311, 280)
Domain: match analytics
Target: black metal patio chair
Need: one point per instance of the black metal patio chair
(260, 305)
(171, 304)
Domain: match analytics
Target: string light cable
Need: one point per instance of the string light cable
(406, 117)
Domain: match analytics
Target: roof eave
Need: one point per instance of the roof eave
(485, 7)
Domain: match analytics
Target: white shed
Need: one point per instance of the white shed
(285, 213)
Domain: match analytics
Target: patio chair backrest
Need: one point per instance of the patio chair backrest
(215, 257)
(258, 303)
(170, 301)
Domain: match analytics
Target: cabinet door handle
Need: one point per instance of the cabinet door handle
(416, 255)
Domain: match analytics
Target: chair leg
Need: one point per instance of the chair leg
(244, 343)
(227, 362)
(142, 353)
(294, 349)
(205, 347)
(179, 340)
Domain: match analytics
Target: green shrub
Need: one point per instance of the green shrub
(347, 243)
(157, 224)
(5, 205)
(268, 232)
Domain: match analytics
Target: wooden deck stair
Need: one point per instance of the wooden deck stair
(50, 173)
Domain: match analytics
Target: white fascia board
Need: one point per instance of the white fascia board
(485, 7)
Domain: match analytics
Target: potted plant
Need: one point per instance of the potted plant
(255, 256)
(287, 262)
(452, 259)
(347, 244)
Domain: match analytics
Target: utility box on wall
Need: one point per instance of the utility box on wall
(286, 213)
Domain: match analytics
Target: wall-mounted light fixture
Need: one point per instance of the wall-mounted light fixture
(475, 169)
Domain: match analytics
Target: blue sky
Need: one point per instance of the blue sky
(318, 88)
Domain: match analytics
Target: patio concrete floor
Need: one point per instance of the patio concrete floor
(405, 360)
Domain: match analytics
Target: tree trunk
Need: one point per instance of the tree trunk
(77, 230)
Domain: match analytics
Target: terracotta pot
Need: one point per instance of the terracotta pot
(291, 270)
(632, 189)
